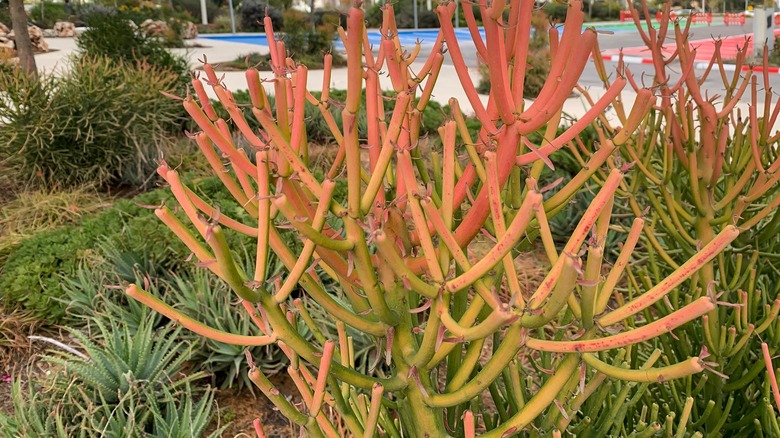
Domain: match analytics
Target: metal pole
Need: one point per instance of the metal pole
(415, 15)
(204, 19)
(457, 14)
(232, 17)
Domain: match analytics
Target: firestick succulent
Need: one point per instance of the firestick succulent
(399, 244)
(705, 165)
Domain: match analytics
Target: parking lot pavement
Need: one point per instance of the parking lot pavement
(705, 48)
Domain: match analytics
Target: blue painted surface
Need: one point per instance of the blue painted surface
(408, 37)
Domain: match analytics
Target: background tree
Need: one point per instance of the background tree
(23, 45)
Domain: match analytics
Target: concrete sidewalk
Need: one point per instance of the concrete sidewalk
(448, 84)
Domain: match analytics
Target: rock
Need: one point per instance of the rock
(4, 30)
(49, 33)
(65, 29)
(7, 44)
(36, 38)
(154, 28)
(189, 30)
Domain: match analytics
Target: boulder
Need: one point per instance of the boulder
(4, 30)
(6, 44)
(36, 38)
(154, 28)
(65, 29)
(189, 30)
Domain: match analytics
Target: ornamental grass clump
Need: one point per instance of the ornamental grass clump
(705, 164)
(464, 348)
(102, 123)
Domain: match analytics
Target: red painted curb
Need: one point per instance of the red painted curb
(627, 59)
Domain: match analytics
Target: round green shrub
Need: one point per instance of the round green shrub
(329, 16)
(5, 13)
(556, 11)
(45, 14)
(192, 7)
(254, 11)
(84, 11)
(111, 34)
(606, 10)
(404, 15)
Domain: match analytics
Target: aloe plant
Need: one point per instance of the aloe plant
(121, 385)
(204, 297)
(703, 165)
(31, 414)
(398, 243)
(124, 359)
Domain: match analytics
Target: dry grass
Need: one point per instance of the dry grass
(15, 326)
(184, 156)
(34, 211)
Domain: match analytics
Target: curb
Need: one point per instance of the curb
(627, 59)
(697, 66)
(732, 67)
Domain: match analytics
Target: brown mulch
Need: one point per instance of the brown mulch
(241, 408)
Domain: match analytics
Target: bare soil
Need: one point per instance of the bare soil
(242, 408)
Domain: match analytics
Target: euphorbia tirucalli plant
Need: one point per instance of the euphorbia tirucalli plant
(398, 244)
(704, 165)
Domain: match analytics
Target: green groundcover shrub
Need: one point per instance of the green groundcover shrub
(317, 130)
(38, 269)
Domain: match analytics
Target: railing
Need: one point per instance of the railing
(730, 19)
(696, 17)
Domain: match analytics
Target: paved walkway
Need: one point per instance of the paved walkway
(215, 51)
(447, 86)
